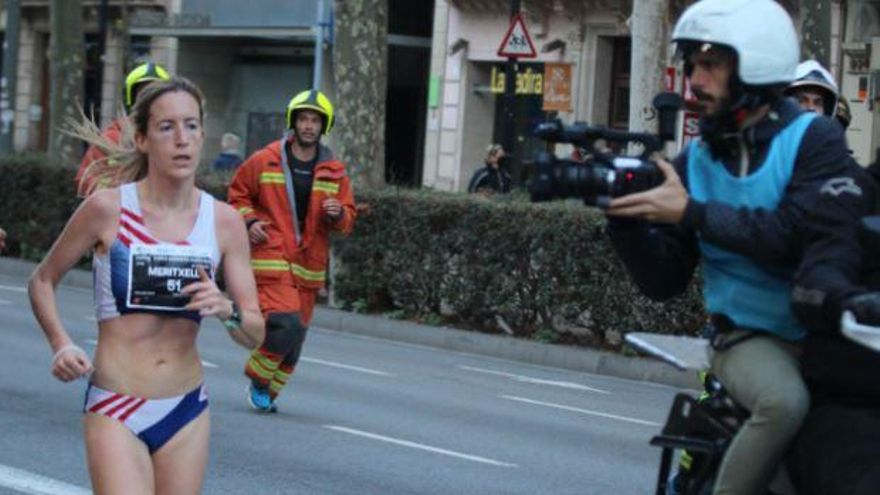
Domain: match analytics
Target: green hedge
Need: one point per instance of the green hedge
(543, 271)
(36, 199)
(497, 264)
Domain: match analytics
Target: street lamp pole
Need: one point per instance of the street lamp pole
(319, 47)
(510, 113)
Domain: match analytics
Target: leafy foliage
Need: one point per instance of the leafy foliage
(488, 263)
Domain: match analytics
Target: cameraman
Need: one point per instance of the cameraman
(737, 200)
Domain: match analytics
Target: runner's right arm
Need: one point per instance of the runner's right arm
(85, 229)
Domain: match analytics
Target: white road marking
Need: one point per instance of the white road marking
(579, 410)
(346, 366)
(420, 446)
(536, 381)
(36, 484)
(206, 364)
(13, 288)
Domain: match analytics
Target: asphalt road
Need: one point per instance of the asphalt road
(361, 416)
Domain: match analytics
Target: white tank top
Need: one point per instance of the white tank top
(142, 274)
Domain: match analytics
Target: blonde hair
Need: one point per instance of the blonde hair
(123, 162)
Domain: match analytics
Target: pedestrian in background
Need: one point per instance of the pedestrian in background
(230, 156)
(491, 178)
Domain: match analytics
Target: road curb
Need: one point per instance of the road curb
(566, 357)
(573, 358)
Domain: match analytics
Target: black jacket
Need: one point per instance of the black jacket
(834, 269)
(488, 178)
(661, 258)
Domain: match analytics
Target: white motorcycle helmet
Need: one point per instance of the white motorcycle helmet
(811, 74)
(760, 32)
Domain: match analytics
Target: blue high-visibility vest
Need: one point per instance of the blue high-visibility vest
(749, 294)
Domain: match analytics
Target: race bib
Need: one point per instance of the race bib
(158, 272)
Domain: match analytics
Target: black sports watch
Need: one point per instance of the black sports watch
(234, 320)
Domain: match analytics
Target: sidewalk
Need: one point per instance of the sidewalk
(500, 346)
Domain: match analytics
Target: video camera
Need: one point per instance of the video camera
(602, 175)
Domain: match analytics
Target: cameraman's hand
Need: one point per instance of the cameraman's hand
(663, 204)
(865, 307)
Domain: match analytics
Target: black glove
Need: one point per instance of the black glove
(865, 307)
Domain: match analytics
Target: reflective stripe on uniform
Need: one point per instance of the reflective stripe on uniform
(269, 265)
(306, 274)
(282, 266)
(261, 366)
(271, 178)
(327, 187)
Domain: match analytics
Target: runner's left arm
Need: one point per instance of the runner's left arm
(239, 277)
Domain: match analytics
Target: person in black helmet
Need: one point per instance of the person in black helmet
(136, 80)
(736, 201)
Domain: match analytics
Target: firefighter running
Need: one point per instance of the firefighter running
(293, 194)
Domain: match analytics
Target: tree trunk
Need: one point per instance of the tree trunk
(360, 61)
(648, 66)
(66, 55)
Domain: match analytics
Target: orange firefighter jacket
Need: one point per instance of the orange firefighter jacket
(112, 133)
(294, 253)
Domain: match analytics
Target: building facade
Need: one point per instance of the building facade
(249, 59)
(446, 81)
(586, 42)
(102, 91)
(591, 40)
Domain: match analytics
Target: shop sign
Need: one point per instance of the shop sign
(557, 87)
(528, 81)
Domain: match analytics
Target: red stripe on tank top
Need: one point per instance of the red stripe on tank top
(133, 216)
(131, 230)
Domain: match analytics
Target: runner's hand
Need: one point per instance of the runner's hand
(206, 298)
(71, 363)
(2, 240)
(257, 232)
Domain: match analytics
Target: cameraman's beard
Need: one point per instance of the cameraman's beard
(720, 130)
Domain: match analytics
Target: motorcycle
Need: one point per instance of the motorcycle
(701, 428)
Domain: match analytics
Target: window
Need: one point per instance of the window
(618, 110)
